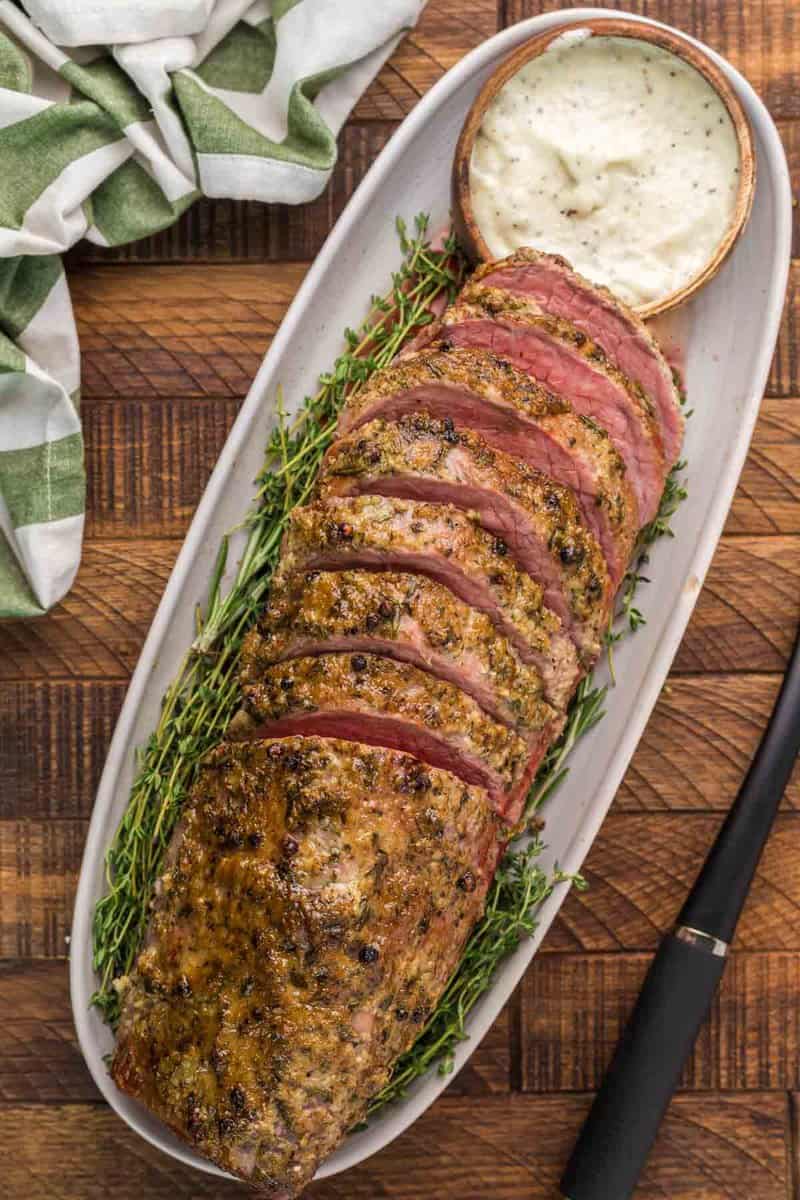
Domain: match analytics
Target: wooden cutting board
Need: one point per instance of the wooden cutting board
(172, 331)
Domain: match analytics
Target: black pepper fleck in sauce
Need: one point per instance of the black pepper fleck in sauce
(609, 191)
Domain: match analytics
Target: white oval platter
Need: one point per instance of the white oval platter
(731, 328)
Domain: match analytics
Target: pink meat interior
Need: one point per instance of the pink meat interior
(592, 394)
(505, 428)
(375, 729)
(625, 345)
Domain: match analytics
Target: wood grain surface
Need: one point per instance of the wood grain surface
(173, 329)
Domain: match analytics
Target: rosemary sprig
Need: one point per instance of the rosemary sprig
(200, 702)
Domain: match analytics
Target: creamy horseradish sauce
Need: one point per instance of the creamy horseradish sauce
(614, 153)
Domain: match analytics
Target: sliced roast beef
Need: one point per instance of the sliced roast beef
(447, 545)
(400, 692)
(366, 698)
(407, 617)
(566, 360)
(423, 458)
(316, 902)
(548, 282)
(513, 413)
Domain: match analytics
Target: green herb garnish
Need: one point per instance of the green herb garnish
(627, 618)
(200, 702)
(205, 694)
(519, 887)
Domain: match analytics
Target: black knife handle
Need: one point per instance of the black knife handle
(718, 896)
(624, 1120)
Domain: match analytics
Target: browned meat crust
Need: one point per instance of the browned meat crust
(498, 300)
(445, 544)
(549, 282)
(408, 617)
(316, 901)
(364, 691)
(558, 353)
(515, 414)
(425, 458)
(320, 888)
(477, 371)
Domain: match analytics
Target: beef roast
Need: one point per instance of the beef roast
(567, 361)
(548, 282)
(407, 617)
(316, 899)
(512, 412)
(447, 545)
(419, 457)
(366, 698)
(414, 663)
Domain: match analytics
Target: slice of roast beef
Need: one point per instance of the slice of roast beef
(423, 458)
(567, 361)
(441, 542)
(407, 617)
(316, 901)
(512, 412)
(548, 282)
(366, 698)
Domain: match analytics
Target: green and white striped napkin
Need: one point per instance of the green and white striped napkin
(115, 115)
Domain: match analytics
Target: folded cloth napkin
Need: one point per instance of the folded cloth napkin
(154, 104)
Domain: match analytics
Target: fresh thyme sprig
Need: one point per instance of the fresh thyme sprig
(627, 617)
(200, 702)
(518, 889)
(585, 711)
(520, 886)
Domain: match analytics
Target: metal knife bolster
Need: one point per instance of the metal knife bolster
(702, 941)
(646, 1066)
(683, 977)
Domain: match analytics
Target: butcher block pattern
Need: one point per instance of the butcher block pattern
(173, 330)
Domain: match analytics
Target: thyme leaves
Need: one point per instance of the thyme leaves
(627, 617)
(520, 886)
(204, 696)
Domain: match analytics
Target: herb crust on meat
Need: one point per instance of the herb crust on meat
(315, 902)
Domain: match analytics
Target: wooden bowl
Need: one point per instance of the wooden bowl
(466, 225)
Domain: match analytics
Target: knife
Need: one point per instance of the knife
(679, 987)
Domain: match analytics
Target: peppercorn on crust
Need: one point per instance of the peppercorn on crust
(478, 372)
(565, 359)
(423, 457)
(374, 699)
(501, 302)
(408, 617)
(316, 899)
(549, 282)
(430, 616)
(447, 545)
(513, 413)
